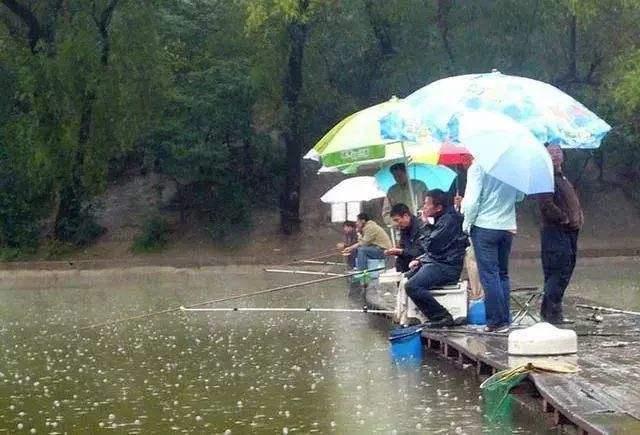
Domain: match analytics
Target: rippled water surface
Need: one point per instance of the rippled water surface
(215, 372)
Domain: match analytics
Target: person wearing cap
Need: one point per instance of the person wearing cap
(562, 218)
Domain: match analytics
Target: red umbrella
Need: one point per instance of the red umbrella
(454, 154)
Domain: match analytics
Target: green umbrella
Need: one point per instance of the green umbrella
(356, 141)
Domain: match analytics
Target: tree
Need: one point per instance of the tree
(88, 85)
(291, 20)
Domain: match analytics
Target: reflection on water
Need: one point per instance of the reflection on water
(215, 372)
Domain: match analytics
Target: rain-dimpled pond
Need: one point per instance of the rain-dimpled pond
(214, 372)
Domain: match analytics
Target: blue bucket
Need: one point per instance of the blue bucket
(406, 343)
(477, 314)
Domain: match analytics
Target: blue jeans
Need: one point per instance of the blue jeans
(429, 276)
(492, 249)
(559, 248)
(368, 252)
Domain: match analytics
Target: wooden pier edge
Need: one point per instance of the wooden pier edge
(557, 411)
(485, 365)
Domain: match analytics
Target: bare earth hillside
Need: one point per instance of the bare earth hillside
(612, 226)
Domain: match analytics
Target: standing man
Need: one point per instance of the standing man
(562, 219)
(372, 244)
(489, 208)
(410, 246)
(444, 246)
(399, 193)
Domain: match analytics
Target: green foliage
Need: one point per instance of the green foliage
(231, 221)
(195, 90)
(208, 144)
(74, 105)
(154, 236)
(626, 89)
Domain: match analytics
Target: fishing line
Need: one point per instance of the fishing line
(228, 298)
(608, 310)
(286, 309)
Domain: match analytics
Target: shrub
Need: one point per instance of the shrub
(154, 235)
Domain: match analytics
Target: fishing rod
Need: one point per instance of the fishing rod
(608, 310)
(303, 272)
(228, 298)
(326, 263)
(318, 256)
(285, 309)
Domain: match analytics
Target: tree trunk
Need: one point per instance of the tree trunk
(34, 29)
(290, 199)
(442, 17)
(102, 23)
(572, 72)
(381, 30)
(73, 195)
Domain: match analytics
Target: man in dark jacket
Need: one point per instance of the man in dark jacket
(562, 219)
(409, 247)
(444, 245)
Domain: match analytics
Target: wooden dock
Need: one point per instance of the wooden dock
(602, 398)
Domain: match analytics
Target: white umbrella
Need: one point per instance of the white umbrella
(354, 189)
(506, 150)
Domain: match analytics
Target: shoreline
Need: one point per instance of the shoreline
(239, 261)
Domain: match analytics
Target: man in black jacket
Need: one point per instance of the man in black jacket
(444, 245)
(409, 247)
(562, 219)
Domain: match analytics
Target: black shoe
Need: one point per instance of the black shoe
(562, 321)
(443, 322)
(413, 322)
(497, 329)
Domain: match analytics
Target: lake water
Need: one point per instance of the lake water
(230, 371)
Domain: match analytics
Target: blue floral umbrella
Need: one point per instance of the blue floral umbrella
(550, 114)
(434, 176)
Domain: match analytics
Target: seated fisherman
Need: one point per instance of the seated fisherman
(444, 245)
(372, 244)
(410, 230)
(349, 237)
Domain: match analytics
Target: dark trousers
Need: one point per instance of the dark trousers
(429, 276)
(558, 251)
(492, 249)
(402, 264)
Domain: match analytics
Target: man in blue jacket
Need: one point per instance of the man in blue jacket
(444, 244)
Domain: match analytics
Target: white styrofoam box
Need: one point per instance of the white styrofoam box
(353, 210)
(453, 298)
(542, 339)
(520, 360)
(338, 212)
(390, 276)
(342, 211)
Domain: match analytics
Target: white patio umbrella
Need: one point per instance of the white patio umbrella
(353, 189)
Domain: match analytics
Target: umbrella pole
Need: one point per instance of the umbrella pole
(414, 209)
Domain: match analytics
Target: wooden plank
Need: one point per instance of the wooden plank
(604, 397)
